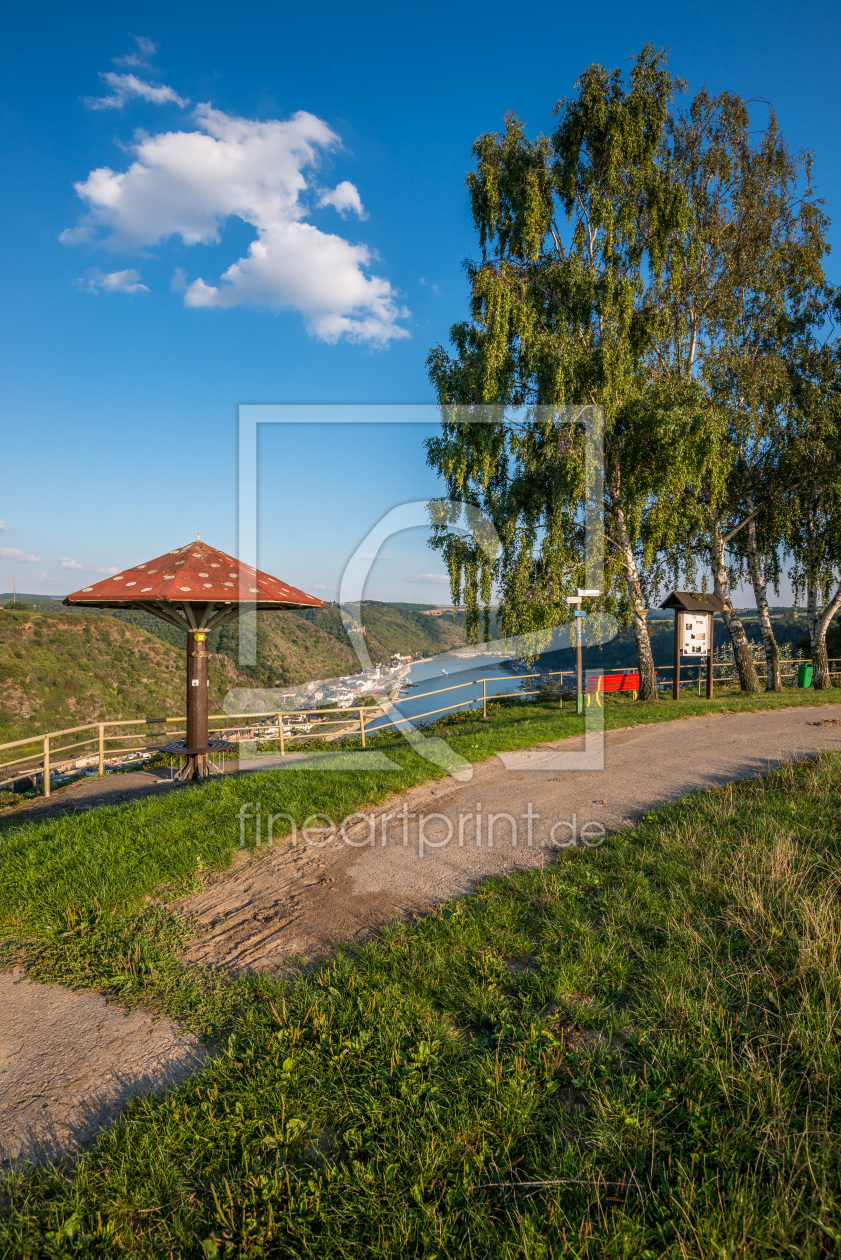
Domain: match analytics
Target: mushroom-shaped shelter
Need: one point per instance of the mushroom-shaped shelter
(196, 588)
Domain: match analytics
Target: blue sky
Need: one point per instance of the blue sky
(344, 129)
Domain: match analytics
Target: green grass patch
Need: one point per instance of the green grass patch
(654, 1023)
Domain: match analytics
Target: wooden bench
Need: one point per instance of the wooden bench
(614, 680)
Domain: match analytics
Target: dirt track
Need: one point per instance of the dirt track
(300, 900)
(69, 1062)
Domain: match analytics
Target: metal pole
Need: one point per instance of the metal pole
(676, 670)
(46, 765)
(101, 749)
(485, 699)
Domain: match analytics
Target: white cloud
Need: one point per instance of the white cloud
(113, 282)
(126, 87)
(189, 183)
(111, 570)
(429, 577)
(319, 586)
(344, 198)
(144, 47)
(67, 563)
(3, 527)
(15, 553)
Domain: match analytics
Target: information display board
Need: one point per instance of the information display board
(696, 634)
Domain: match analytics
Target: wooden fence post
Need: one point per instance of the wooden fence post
(280, 732)
(101, 749)
(362, 724)
(46, 765)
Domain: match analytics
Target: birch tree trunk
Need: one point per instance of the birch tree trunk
(742, 654)
(774, 680)
(818, 626)
(645, 658)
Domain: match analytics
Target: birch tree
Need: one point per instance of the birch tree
(814, 520)
(576, 230)
(750, 288)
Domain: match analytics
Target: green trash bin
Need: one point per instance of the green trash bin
(804, 674)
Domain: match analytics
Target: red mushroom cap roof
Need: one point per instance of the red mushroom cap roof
(198, 574)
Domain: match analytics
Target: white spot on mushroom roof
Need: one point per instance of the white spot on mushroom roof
(145, 588)
(185, 588)
(131, 584)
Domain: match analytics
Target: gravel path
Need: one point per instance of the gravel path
(69, 1062)
(437, 840)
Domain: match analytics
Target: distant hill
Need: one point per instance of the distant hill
(295, 646)
(59, 671)
(60, 667)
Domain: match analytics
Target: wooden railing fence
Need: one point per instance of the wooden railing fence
(42, 755)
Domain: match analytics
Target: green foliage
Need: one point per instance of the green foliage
(563, 317)
(665, 267)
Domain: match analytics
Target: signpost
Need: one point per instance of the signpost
(693, 632)
(580, 614)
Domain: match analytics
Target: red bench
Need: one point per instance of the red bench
(615, 680)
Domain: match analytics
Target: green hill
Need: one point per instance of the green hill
(60, 668)
(59, 671)
(295, 646)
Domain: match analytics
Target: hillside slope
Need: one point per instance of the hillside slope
(296, 646)
(59, 671)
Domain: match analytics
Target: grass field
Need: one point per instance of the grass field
(649, 1029)
(110, 859)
